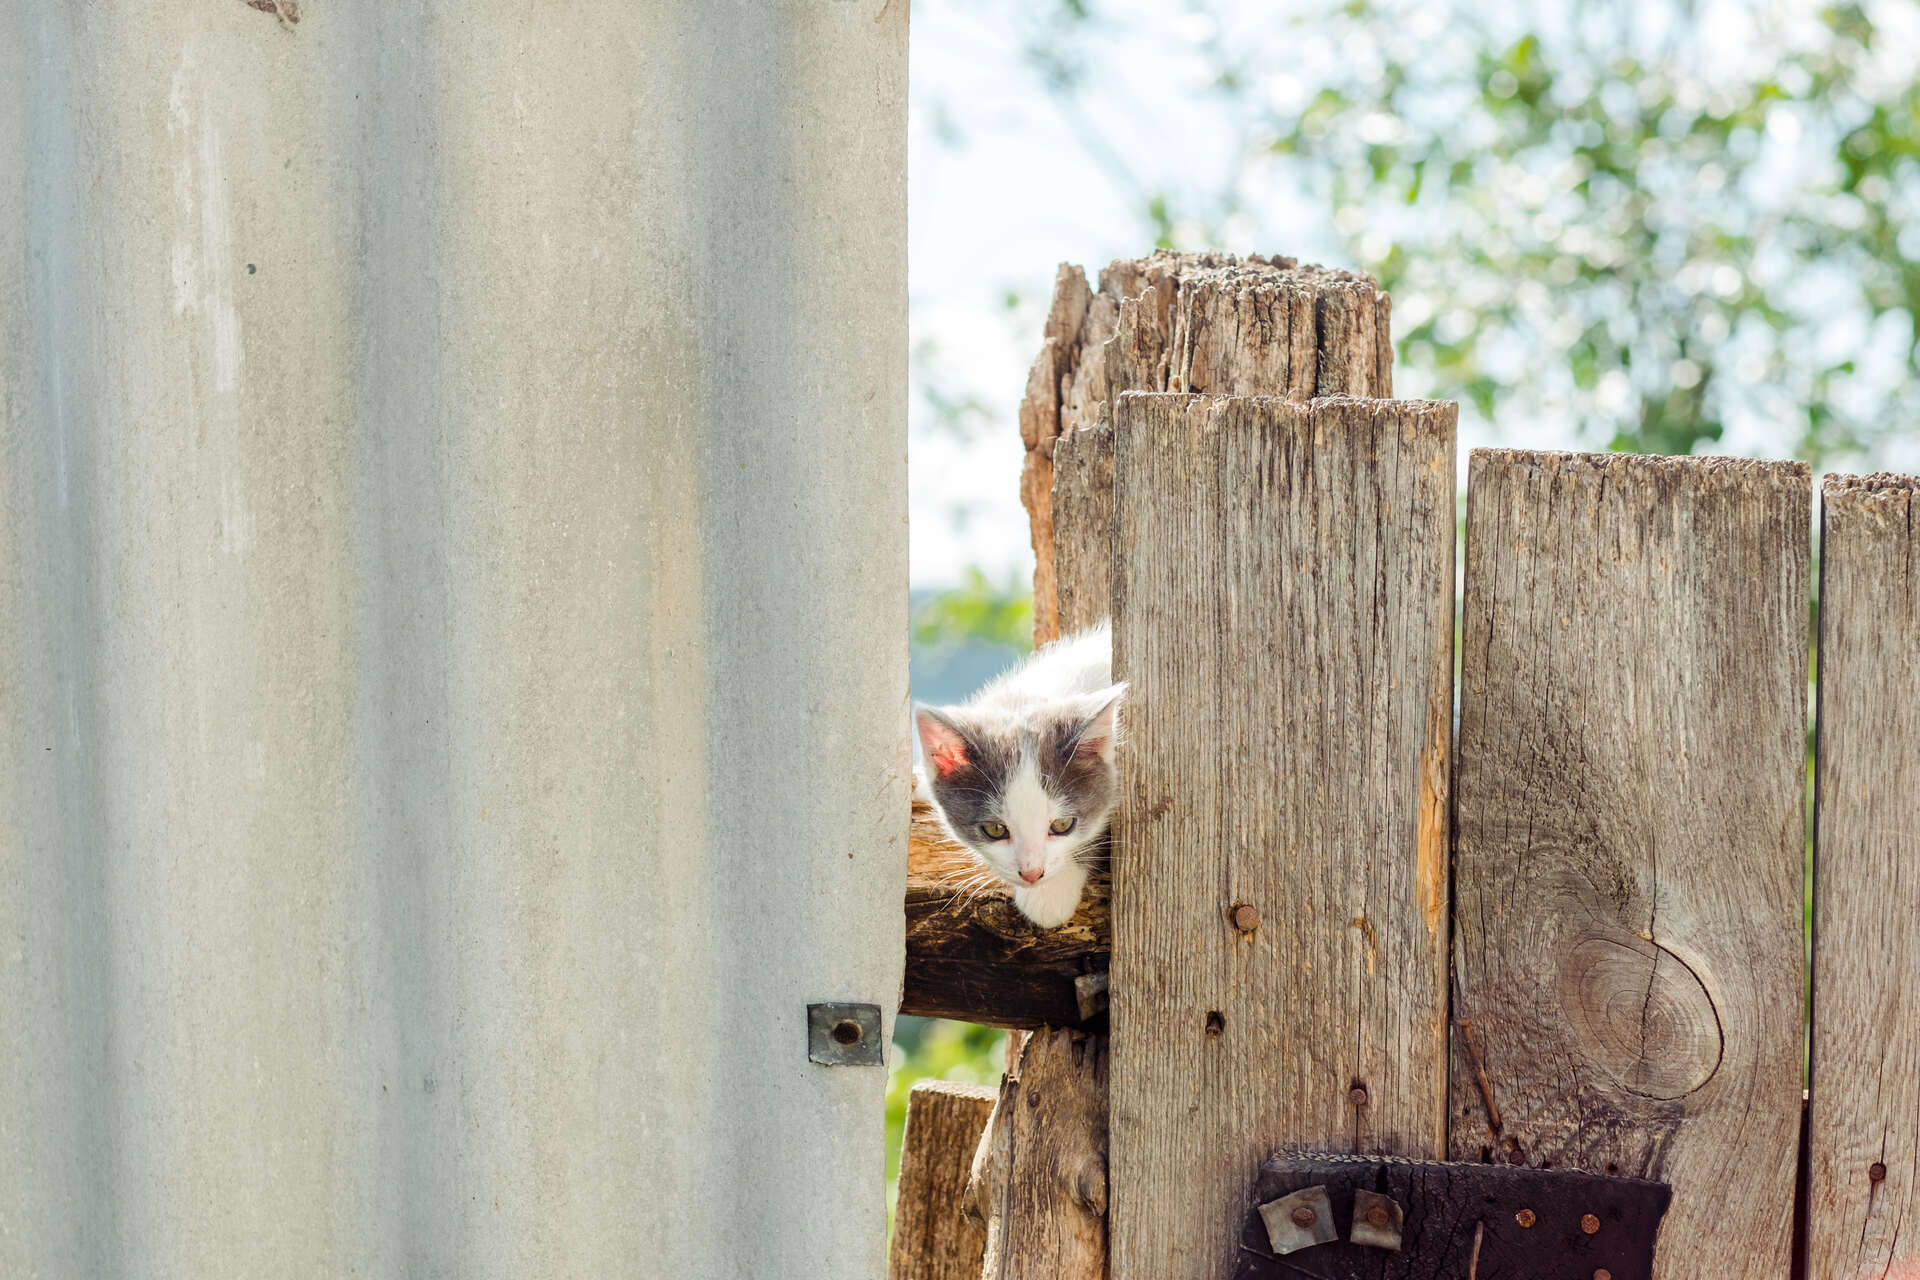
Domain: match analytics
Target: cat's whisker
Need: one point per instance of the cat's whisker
(973, 889)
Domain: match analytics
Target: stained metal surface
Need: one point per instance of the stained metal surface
(845, 1035)
(1495, 1220)
(1299, 1220)
(1377, 1220)
(453, 579)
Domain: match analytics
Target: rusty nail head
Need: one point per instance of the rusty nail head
(1245, 917)
(1357, 1095)
(1589, 1223)
(1378, 1216)
(1876, 1172)
(1601, 1273)
(1525, 1218)
(1299, 1220)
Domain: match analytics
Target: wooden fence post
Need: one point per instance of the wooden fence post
(1865, 1123)
(1040, 1175)
(1183, 322)
(935, 1236)
(1627, 878)
(1198, 322)
(1283, 608)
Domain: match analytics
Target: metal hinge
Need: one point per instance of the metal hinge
(1338, 1217)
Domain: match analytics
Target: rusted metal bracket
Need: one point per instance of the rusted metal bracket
(845, 1035)
(1415, 1220)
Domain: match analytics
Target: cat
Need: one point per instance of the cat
(1023, 774)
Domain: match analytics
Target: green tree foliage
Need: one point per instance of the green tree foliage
(1677, 227)
(977, 609)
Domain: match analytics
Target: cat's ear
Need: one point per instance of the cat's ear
(947, 748)
(1095, 737)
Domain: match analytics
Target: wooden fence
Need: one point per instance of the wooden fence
(1562, 930)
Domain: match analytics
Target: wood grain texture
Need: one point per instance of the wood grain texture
(935, 1235)
(1866, 1006)
(1040, 1175)
(1199, 322)
(1083, 527)
(971, 955)
(1627, 877)
(1283, 592)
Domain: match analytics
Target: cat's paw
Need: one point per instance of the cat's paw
(1052, 902)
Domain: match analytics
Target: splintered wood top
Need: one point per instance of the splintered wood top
(1628, 868)
(1196, 322)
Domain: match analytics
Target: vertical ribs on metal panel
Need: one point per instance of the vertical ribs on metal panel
(1864, 1142)
(1284, 613)
(1628, 871)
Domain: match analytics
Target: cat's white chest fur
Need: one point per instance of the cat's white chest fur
(1052, 902)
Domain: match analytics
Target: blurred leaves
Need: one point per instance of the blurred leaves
(951, 406)
(977, 609)
(1660, 224)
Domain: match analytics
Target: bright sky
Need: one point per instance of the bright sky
(1003, 188)
(1001, 191)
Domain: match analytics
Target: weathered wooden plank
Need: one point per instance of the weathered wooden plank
(1627, 877)
(935, 1237)
(1040, 1175)
(1199, 322)
(1864, 1191)
(1283, 592)
(1083, 526)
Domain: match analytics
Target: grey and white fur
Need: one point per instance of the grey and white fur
(1023, 772)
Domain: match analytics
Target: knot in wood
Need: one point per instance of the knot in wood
(1090, 1186)
(1640, 1015)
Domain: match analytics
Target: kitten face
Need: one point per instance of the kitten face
(1029, 794)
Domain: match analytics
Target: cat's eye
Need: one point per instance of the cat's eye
(1060, 826)
(994, 830)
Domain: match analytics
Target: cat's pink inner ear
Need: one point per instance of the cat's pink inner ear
(1096, 736)
(946, 749)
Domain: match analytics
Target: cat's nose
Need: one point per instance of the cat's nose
(1032, 877)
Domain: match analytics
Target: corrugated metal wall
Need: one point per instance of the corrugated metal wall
(452, 634)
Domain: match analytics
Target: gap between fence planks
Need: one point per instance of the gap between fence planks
(1627, 877)
(1864, 1139)
(935, 1237)
(1283, 611)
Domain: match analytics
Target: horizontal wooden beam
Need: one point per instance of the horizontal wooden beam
(972, 956)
